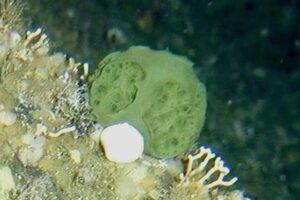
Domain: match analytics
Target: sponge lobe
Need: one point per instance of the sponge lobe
(178, 110)
(115, 86)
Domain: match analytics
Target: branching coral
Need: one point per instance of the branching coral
(191, 173)
(14, 46)
(203, 178)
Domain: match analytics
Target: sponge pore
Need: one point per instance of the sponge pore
(156, 92)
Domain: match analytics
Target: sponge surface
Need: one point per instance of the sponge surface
(155, 91)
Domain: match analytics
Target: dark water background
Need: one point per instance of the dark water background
(246, 52)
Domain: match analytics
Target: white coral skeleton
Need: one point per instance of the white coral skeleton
(202, 174)
(35, 42)
(43, 130)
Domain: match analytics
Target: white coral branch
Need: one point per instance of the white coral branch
(43, 130)
(218, 169)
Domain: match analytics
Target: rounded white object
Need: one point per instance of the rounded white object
(122, 143)
(7, 118)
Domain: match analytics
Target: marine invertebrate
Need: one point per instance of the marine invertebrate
(198, 175)
(49, 88)
(155, 91)
(33, 149)
(43, 130)
(7, 118)
(7, 183)
(203, 177)
(122, 143)
(20, 49)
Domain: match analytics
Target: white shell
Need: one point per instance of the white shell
(122, 143)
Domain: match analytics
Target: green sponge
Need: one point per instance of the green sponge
(156, 92)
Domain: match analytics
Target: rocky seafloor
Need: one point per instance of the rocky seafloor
(50, 147)
(246, 53)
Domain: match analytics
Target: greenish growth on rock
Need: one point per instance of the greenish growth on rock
(155, 91)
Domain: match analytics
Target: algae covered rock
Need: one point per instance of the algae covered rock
(155, 91)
